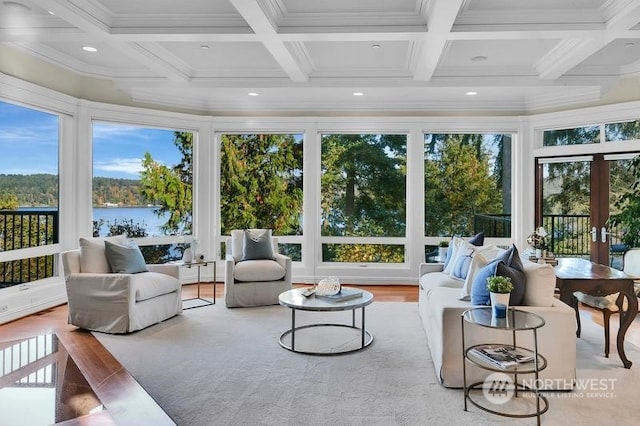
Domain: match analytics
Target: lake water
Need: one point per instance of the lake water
(144, 216)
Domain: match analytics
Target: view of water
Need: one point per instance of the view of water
(145, 216)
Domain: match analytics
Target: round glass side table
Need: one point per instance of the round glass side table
(502, 393)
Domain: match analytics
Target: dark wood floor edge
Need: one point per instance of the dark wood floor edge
(123, 397)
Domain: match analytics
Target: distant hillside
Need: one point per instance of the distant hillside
(40, 190)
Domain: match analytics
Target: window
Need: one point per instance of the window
(575, 136)
(28, 190)
(467, 180)
(363, 197)
(142, 185)
(261, 185)
(623, 131)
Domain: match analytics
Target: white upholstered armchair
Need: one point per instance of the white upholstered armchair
(120, 302)
(255, 273)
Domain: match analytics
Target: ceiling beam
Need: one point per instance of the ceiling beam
(441, 15)
(267, 34)
(571, 52)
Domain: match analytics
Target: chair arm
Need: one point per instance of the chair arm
(99, 287)
(283, 260)
(425, 268)
(165, 268)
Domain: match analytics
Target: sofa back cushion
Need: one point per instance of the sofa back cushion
(92, 253)
(541, 284)
(507, 264)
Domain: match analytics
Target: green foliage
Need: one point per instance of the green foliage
(171, 187)
(124, 192)
(443, 243)
(628, 206)
(261, 183)
(459, 183)
(499, 284)
(35, 190)
(8, 201)
(363, 185)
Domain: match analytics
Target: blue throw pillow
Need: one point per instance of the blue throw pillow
(477, 240)
(479, 292)
(461, 268)
(125, 259)
(257, 244)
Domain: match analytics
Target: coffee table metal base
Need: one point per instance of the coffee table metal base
(366, 336)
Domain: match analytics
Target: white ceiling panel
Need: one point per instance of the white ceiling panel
(518, 55)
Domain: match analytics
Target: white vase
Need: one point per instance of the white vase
(499, 304)
(442, 253)
(187, 256)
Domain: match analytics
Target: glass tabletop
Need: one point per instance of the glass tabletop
(516, 319)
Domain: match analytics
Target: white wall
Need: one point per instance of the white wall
(76, 173)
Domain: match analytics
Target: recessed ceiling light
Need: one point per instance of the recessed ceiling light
(479, 58)
(375, 46)
(253, 94)
(358, 94)
(89, 49)
(204, 47)
(50, 12)
(471, 93)
(16, 6)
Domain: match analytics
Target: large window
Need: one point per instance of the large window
(573, 136)
(363, 197)
(28, 190)
(142, 185)
(467, 179)
(261, 185)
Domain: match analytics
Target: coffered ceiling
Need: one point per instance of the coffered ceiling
(313, 55)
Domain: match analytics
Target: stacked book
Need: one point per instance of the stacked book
(343, 295)
(502, 356)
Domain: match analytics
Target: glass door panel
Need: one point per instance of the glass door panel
(564, 205)
(576, 196)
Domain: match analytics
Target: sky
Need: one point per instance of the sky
(29, 144)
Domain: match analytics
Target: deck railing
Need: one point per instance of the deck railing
(23, 229)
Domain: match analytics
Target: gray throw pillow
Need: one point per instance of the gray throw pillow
(125, 259)
(257, 244)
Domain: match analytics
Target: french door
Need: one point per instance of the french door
(574, 198)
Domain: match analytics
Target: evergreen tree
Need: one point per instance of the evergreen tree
(261, 183)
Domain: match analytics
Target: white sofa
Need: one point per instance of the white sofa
(440, 308)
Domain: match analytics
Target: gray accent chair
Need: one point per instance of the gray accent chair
(254, 282)
(117, 302)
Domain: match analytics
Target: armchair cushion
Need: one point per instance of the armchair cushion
(259, 270)
(125, 259)
(257, 244)
(152, 284)
(92, 253)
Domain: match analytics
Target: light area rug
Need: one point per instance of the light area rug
(219, 366)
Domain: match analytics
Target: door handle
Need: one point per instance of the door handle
(594, 234)
(604, 233)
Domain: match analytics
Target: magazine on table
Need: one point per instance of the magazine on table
(343, 295)
(502, 356)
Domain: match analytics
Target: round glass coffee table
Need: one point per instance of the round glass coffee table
(296, 301)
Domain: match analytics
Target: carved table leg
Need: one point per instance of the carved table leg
(626, 318)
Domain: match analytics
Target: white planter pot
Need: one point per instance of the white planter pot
(187, 256)
(499, 304)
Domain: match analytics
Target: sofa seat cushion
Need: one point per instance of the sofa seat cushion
(148, 285)
(258, 270)
(439, 279)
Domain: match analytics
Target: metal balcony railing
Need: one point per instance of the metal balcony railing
(23, 229)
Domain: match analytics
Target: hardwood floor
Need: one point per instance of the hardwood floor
(116, 389)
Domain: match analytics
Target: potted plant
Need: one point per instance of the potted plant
(499, 291)
(443, 246)
(539, 240)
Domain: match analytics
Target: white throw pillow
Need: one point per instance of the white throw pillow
(541, 284)
(93, 257)
(482, 256)
(459, 247)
